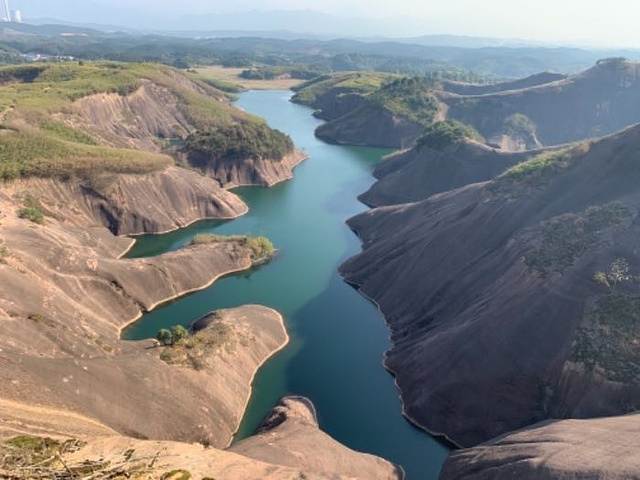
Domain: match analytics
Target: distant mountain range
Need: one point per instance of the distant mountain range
(288, 25)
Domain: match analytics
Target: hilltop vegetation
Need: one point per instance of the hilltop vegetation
(241, 140)
(362, 83)
(442, 134)
(410, 97)
(35, 142)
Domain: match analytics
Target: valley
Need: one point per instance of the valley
(262, 258)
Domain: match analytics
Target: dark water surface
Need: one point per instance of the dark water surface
(337, 337)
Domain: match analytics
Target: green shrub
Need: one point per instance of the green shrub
(194, 350)
(410, 97)
(519, 124)
(179, 333)
(565, 238)
(32, 214)
(65, 132)
(177, 475)
(164, 336)
(241, 140)
(261, 247)
(607, 338)
(442, 134)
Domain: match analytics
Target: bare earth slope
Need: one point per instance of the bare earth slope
(605, 449)
(489, 291)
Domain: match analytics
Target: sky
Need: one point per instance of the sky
(605, 23)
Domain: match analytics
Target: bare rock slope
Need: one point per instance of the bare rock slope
(515, 300)
(594, 103)
(86, 446)
(605, 449)
(420, 172)
(290, 436)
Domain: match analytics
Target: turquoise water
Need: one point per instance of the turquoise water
(337, 337)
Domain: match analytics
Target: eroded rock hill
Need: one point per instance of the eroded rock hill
(604, 448)
(597, 102)
(86, 446)
(290, 436)
(539, 111)
(371, 125)
(416, 174)
(66, 294)
(515, 300)
(154, 119)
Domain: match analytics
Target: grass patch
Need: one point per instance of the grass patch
(65, 132)
(32, 214)
(261, 247)
(28, 456)
(443, 134)
(31, 153)
(177, 475)
(608, 339)
(565, 238)
(540, 170)
(363, 83)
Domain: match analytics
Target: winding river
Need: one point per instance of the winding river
(337, 337)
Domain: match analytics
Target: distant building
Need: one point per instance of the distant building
(7, 12)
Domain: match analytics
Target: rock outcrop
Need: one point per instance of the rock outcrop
(416, 174)
(498, 320)
(290, 436)
(371, 125)
(604, 448)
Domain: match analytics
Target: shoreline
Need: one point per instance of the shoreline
(174, 297)
(437, 435)
(284, 345)
(301, 157)
(175, 229)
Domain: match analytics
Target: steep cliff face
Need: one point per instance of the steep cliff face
(594, 103)
(253, 171)
(602, 448)
(489, 290)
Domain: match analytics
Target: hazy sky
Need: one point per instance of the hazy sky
(607, 22)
